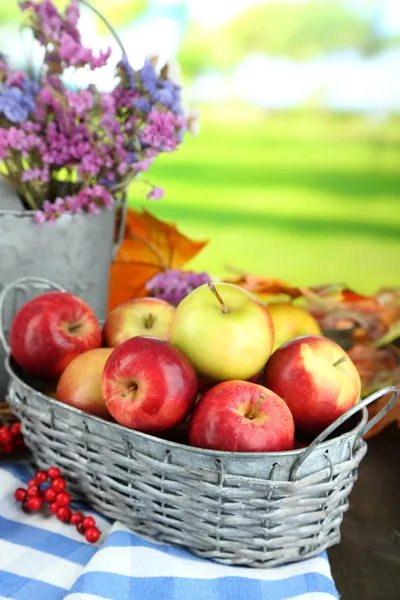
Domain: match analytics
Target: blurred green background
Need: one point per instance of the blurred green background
(295, 173)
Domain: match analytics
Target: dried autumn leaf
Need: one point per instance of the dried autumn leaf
(264, 286)
(149, 246)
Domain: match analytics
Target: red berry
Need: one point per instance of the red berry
(34, 504)
(25, 507)
(49, 495)
(33, 491)
(8, 448)
(58, 484)
(92, 534)
(53, 472)
(32, 482)
(5, 436)
(88, 522)
(80, 528)
(76, 518)
(41, 476)
(20, 494)
(54, 508)
(15, 429)
(63, 499)
(63, 514)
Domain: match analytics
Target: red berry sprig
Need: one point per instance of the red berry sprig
(55, 495)
(11, 438)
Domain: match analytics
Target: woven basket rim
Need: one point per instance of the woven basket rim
(348, 435)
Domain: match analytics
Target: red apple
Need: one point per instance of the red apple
(80, 383)
(140, 316)
(48, 332)
(241, 416)
(148, 384)
(316, 378)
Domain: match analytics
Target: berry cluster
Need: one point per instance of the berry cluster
(58, 499)
(10, 438)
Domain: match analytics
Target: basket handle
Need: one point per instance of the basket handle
(122, 215)
(343, 418)
(12, 287)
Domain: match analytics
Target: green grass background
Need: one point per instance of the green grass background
(308, 198)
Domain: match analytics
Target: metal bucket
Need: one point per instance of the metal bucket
(75, 250)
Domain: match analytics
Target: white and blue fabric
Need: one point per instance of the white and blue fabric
(44, 559)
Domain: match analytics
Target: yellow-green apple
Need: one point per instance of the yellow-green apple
(291, 321)
(48, 332)
(224, 330)
(140, 316)
(148, 384)
(240, 416)
(80, 383)
(316, 378)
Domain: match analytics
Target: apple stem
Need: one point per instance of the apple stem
(218, 297)
(255, 407)
(341, 360)
(131, 388)
(149, 321)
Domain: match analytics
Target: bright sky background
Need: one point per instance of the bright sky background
(211, 13)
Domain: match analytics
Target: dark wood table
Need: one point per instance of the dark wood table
(366, 564)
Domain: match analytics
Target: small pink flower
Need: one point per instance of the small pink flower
(155, 194)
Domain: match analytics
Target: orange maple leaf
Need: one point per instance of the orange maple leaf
(149, 246)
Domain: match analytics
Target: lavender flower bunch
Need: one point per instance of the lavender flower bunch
(72, 151)
(175, 284)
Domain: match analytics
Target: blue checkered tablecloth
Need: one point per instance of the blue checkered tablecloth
(44, 559)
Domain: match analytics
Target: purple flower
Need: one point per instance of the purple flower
(128, 71)
(142, 104)
(160, 131)
(148, 77)
(80, 101)
(156, 193)
(175, 284)
(15, 104)
(35, 174)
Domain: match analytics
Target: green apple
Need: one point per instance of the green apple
(224, 331)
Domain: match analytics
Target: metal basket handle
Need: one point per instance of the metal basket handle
(122, 215)
(343, 418)
(44, 283)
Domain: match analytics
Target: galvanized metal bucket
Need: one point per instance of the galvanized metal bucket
(75, 250)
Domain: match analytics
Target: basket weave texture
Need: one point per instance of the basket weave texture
(255, 509)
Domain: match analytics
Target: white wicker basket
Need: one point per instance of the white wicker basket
(256, 509)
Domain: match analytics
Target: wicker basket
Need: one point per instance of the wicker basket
(255, 509)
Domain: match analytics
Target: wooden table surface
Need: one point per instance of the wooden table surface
(366, 564)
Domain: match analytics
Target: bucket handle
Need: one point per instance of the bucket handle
(122, 215)
(343, 418)
(11, 287)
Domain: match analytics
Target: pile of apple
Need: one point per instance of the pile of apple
(209, 367)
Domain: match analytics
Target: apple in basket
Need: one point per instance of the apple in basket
(316, 378)
(224, 330)
(48, 332)
(148, 384)
(80, 383)
(140, 316)
(291, 321)
(241, 416)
